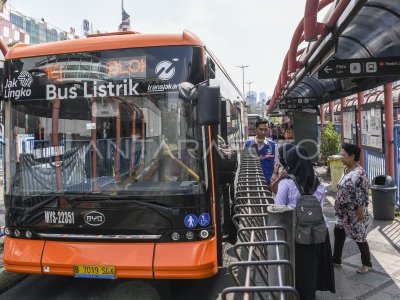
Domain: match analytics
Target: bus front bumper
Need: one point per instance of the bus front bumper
(188, 260)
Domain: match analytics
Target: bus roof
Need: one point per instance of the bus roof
(105, 42)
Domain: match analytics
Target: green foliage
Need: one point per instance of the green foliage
(276, 120)
(397, 212)
(10, 44)
(330, 141)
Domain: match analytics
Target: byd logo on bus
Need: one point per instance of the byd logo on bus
(94, 218)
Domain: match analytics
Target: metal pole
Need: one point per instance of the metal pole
(342, 106)
(249, 83)
(242, 67)
(322, 115)
(360, 101)
(281, 215)
(388, 92)
(331, 111)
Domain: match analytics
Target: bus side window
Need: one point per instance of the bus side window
(210, 67)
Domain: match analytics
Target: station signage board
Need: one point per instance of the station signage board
(371, 126)
(297, 104)
(350, 134)
(363, 67)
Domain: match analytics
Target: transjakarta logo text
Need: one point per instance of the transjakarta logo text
(127, 88)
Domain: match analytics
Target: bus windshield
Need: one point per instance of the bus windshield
(108, 122)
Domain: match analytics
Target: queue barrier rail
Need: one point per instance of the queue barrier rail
(264, 267)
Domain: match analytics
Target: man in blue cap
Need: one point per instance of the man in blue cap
(267, 149)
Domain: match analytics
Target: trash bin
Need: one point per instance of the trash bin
(383, 197)
(336, 166)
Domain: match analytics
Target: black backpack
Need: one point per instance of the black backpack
(310, 227)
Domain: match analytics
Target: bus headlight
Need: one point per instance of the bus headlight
(7, 231)
(204, 234)
(28, 234)
(17, 233)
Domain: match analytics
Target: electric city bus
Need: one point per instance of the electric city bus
(111, 160)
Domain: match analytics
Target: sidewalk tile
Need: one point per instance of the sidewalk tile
(370, 278)
(359, 288)
(343, 285)
(393, 289)
(325, 295)
(380, 296)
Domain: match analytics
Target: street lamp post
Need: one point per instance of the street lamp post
(249, 83)
(242, 67)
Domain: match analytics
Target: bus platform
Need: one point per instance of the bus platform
(383, 282)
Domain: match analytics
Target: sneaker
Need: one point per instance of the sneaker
(337, 265)
(363, 269)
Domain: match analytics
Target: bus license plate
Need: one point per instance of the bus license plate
(94, 271)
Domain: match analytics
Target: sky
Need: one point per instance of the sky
(253, 32)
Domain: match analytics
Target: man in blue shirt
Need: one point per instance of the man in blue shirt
(267, 149)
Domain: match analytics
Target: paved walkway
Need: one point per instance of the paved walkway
(384, 242)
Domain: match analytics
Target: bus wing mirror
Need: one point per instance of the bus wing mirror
(187, 91)
(209, 105)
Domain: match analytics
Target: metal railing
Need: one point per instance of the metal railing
(264, 269)
(375, 164)
(396, 138)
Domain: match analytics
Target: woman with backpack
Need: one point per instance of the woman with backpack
(313, 259)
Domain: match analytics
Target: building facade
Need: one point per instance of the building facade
(251, 98)
(16, 27)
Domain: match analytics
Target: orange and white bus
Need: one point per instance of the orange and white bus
(108, 168)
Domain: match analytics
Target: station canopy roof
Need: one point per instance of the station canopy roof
(367, 29)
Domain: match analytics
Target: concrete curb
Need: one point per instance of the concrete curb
(8, 279)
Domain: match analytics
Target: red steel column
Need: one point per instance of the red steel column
(322, 115)
(56, 144)
(93, 144)
(3, 47)
(117, 142)
(360, 98)
(389, 129)
(396, 114)
(342, 105)
(331, 111)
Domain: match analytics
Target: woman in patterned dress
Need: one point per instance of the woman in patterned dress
(351, 208)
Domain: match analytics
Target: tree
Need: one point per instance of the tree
(10, 44)
(275, 120)
(330, 141)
